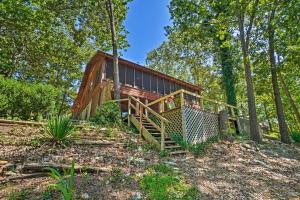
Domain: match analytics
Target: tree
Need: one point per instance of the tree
(245, 40)
(51, 41)
(110, 8)
(279, 107)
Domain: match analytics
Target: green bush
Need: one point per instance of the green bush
(59, 128)
(108, 114)
(295, 136)
(25, 100)
(65, 183)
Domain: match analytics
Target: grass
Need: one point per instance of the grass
(163, 183)
(59, 128)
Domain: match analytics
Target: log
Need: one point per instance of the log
(41, 167)
(99, 143)
(24, 176)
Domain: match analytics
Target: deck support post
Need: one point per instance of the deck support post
(223, 122)
(184, 135)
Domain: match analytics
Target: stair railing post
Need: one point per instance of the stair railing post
(129, 111)
(162, 144)
(141, 125)
(146, 111)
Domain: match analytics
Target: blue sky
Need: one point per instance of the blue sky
(145, 22)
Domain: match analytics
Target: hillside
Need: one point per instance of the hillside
(225, 170)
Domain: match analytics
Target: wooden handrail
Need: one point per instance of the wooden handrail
(164, 97)
(182, 91)
(150, 110)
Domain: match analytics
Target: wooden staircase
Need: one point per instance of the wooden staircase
(169, 145)
(152, 131)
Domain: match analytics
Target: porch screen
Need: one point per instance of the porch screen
(138, 79)
(161, 89)
(146, 80)
(130, 76)
(153, 84)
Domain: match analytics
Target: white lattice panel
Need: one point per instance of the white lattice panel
(175, 118)
(199, 124)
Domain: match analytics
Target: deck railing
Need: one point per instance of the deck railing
(201, 102)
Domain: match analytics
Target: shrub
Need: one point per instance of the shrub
(59, 128)
(26, 100)
(65, 183)
(108, 114)
(295, 136)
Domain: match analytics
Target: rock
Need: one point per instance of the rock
(136, 196)
(247, 146)
(3, 162)
(85, 196)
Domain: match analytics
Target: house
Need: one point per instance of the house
(157, 104)
(135, 80)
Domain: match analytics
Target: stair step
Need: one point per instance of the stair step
(152, 130)
(155, 133)
(170, 142)
(178, 152)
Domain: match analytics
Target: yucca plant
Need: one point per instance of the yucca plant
(65, 183)
(59, 128)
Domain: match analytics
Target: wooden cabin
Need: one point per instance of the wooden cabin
(138, 81)
(157, 104)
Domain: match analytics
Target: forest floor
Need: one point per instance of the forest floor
(237, 170)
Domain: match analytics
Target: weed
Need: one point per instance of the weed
(20, 195)
(242, 136)
(131, 145)
(163, 153)
(295, 136)
(109, 132)
(116, 175)
(162, 182)
(59, 128)
(194, 148)
(66, 186)
(148, 147)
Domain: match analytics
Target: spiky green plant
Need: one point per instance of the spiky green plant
(65, 183)
(59, 128)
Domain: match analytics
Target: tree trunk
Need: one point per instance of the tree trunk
(279, 108)
(228, 76)
(268, 117)
(115, 50)
(290, 98)
(255, 135)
